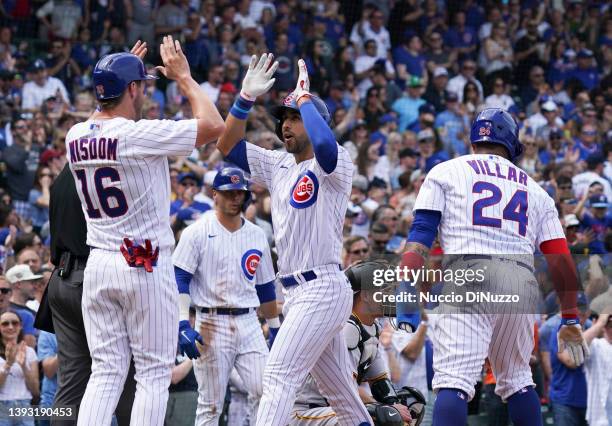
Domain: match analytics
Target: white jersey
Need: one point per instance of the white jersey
(226, 266)
(121, 174)
(489, 206)
(308, 206)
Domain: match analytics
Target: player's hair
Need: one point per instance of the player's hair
(109, 104)
(379, 210)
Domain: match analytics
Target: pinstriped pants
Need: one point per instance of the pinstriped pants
(229, 341)
(128, 311)
(311, 340)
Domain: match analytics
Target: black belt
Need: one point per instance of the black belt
(290, 281)
(469, 257)
(226, 311)
(69, 262)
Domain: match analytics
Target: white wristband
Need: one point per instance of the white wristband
(273, 322)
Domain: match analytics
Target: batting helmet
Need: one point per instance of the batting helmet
(232, 179)
(289, 103)
(494, 125)
(114, 72)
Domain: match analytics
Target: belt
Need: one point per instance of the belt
(226, 311)
(290, 280)
(469, 257)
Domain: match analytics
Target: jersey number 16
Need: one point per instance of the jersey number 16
(515, 210)
(105, 193)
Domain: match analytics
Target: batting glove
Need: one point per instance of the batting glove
(258, 79)
(570, 339)
(303, 84)
(187, 340)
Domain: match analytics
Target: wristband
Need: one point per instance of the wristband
(570, 321)
(241, 108)
(273, 322)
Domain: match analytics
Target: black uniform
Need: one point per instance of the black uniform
(60, 310)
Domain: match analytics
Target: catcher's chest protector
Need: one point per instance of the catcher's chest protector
(366, 344)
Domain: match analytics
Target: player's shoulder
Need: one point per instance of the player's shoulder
(254, 230)
(448, 166)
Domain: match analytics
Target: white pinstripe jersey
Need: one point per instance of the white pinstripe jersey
(308, 206)
(489, 206)
(121, 174)
(225, 265)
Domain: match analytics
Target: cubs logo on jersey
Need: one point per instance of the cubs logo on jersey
(304, 192)
(249, 263)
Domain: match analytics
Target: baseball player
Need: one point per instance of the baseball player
(120, 167)
(223, 265)
(486, 206)
(309, 187)
(361, 333)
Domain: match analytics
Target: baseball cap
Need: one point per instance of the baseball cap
(415, 82)
(598, 201)
(584, 54)
(407, 152)
(21, 273)
(571, 220)
(555, 133)
(229, 88)
(425, 134)
(427, 109)
(360, 123)
(49, 155)
(440, 71)
(189, 175)
(549, 106)
(360, 182)
(595, 159)
(377, 183)
(38, 65)
(387, 118)
(450, 96)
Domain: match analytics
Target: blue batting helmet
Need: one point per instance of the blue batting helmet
(495, 125)
(114, 72)
(232, 179)
(289, 103)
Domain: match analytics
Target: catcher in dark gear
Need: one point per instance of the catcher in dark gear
(361, 332)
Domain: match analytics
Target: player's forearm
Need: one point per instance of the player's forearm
(366, 398)
(210, 122)
(563, 274)
(413, 349)
(235, 131)
(322, 138)
(179, 372)
(49, 366)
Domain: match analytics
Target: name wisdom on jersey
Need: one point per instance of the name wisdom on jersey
(468, 297)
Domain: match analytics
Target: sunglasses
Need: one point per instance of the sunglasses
(21, 126)
(188, 184)
(590, 133)
(565, 187)
(360, 251)
(14, 323)
(48, 174)
(5, 290)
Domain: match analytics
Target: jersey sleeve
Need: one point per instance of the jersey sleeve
(262, 163)
(163, 137)
(431, 195)
(341, 178)
(549, 226)
(265, 270)
(187, 253)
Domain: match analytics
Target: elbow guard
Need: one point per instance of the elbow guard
(383, 391)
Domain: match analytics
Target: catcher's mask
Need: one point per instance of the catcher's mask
(368, 276)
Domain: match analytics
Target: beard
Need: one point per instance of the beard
(296, 144)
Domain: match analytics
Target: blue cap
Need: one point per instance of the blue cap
(598, 201)
(189, 175)
(427, 109)
(114, 72)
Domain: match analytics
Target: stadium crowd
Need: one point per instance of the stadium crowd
(402, 79)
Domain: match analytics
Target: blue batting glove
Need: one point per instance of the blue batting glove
(272, 332)
(187, 340)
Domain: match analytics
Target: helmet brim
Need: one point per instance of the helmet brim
(279, 111)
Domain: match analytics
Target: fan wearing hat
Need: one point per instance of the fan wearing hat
(453, 125)
(22, 281)
(594, 173)
(436, 91)
(407, 107)
(41, 87)
(597, 219)
(586, 69)
(430, 149)
(557, 149)
(187, 208)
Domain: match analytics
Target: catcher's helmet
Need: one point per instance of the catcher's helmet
(289, 103)
(114, 72)
(232, 179)
(362, 275)
(494, 125)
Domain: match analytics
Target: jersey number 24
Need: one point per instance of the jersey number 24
(105, 193)
(515, 210)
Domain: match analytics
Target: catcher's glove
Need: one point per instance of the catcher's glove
(415, 401)
(384, 415)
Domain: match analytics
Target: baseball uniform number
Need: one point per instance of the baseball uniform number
(105, 193)
(515, 210)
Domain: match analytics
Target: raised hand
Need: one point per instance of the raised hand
(303, 84)
(139, 49)
(258, 79)
(175, 66)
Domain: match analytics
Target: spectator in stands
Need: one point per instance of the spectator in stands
(529, 51)
(371, 27)
(356, 248)
(409, 60)
(472, 99)
(453, 126)
(5, 295)
(42, 87)
(365, 64)
(212, 86)
(60, 63)
(371, 164)
(47, 356)
(557, 149)
(19, 381)
(587, 142)
(66, 16)
(407, 107)
(497, 54)
(596, 218)
(140, 20)
(436, 90)
(530, 161)
(467, 74)
(586, 70)
(594, 173)
(431, 150)
(425, 120)
(30, 257)
(499, 98)
(172, 18)
(532, 89)
(598, 367)
(39, 197)
(461, 37)
(438, 53)
(387, 215)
